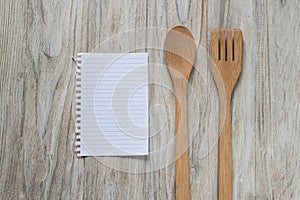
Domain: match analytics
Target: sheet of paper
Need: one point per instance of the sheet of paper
(114, 104)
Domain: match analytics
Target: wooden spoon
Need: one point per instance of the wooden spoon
(180, 50)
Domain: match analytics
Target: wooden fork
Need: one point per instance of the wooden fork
(226, 65)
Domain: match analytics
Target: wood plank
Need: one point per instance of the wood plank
(112, 26)
(43, 144)
(12, 86)
(283, 72)
(238, 14)
(200, 170)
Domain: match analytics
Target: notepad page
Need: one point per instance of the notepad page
(114, 104)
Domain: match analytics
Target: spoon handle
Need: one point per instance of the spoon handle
(182, 142)
(225, 150)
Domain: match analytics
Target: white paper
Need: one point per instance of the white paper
(114, 104)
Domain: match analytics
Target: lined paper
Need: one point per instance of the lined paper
(114, 104)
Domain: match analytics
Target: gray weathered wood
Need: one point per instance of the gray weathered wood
(37, 42)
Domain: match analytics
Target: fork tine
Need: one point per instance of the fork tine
(222, 44)
(238, 40)
(229, 45)
(214, 44)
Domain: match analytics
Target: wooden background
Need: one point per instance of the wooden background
(37, 41)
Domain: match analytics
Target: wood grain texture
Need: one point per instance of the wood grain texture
(226, 65)
(37, 42)
(180, 57)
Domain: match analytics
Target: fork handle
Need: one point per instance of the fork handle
(182, 142)
(225, 151)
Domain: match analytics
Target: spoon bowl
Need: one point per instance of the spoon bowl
(180, 51)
